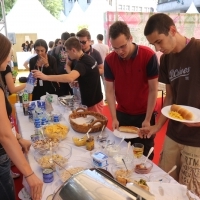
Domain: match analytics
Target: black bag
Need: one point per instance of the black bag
(22, 79)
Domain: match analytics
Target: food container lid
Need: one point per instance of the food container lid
(93, 185)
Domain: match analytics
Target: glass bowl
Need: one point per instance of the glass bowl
(144, 169)
(72, 168)
(60, 155)
(44, 143)
(112, 150)
(128, 159)
(121, 174)
(79, 141)
(162, 177)
(56, 131)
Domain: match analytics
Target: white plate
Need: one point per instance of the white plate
(125, 135)
(196, 114)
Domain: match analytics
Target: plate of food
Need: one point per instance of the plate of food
(127, 132)
(182, 113)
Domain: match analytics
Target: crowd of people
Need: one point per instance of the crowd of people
(130, 73)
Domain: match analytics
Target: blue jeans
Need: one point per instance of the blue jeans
(7, 191)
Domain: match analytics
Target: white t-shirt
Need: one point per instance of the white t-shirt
(103, 49)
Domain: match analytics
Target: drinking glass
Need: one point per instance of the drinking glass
(138, 150)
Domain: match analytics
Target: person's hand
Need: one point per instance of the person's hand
(147, 132)
(197, 124)
(25, 144)
(39, 74)
(146, 123)
(44, 61)
(35, 185)
(115, 124)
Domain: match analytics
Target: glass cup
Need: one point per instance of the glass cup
(138, 150)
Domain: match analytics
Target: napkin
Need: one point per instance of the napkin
(171, 191)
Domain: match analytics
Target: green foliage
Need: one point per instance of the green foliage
(82, 26)
(53, 6)
(8, 6)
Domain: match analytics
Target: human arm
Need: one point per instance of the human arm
(10, 84)
(26, 63)
(63, 78)
(25, 144)
(152, 96)
(149, 131)
(12, 148)
(101, 69)
(110, 97)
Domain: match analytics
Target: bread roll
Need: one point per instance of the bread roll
(182, 111)
(129, 129)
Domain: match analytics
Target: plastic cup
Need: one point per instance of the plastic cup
(138, 150)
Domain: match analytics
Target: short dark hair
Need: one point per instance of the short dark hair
(72, 34)
(51, 44)
(118, 28)
(65, 36)
(158, 22)
(100, 37)
(73, 42)
(84, 33)
(42, 43)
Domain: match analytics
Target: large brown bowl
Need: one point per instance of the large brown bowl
(95, 126)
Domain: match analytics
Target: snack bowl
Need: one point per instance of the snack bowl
(160, 177)
(121, 174)
(44, 143)
(128, 159)
(72, 167)
(60, 155)
(112, 150)
(144, 168)
(56, 131)
(79, 141)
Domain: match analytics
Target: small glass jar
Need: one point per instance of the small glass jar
(90, 143)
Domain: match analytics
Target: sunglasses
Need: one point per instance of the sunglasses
(83, 42)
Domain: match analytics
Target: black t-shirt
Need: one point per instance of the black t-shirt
(9, 111)
(89, 81)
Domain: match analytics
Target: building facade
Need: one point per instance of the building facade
(118, 5)
(178, 6)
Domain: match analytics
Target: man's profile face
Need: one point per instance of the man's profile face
(121, 45)
(163, 43)
(85, 43)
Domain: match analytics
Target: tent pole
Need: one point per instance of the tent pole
(3, 21)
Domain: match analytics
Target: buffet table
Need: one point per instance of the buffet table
(26, 129)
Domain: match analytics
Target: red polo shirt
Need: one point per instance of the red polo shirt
(130, 78)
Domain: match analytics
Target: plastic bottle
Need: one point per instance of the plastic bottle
(30, 83)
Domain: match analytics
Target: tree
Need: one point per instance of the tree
(54, 6)
(8, 6)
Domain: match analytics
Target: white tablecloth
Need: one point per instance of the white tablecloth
(26, 129)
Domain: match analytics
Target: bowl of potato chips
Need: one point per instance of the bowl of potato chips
(58, 131)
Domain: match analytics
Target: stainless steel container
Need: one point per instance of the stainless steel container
(96, 185)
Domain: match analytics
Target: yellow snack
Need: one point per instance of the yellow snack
(79, 141)
(58, 131)
(175, 115)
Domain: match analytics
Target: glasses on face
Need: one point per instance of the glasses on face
(123, 47)
(83, 42)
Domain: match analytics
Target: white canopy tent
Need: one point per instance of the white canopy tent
(192, 9)
(29, 16)
(75, 19)
(94, 17)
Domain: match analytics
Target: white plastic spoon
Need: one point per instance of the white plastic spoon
(150, 151)
(170, 171)
(121, 141)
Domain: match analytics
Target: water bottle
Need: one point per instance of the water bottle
(30, 83)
